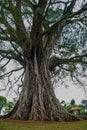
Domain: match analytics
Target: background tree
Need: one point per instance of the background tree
(68, 106)
(72, 102)
(29, 33)
(84, 104)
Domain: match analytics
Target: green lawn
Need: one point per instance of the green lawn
(42, 126)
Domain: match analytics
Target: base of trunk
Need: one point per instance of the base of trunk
(57, 115)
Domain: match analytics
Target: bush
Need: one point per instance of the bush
(83, 112)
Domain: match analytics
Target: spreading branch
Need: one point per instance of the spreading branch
(55, 61)
(10, 72)
(10, 54)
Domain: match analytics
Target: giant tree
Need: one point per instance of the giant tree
(29, 31)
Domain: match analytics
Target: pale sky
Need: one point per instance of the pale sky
(70, 93)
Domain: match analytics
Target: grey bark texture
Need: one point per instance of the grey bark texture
(37, 99)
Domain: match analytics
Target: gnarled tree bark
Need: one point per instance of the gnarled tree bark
(37, 99)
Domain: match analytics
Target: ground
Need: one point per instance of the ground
(35, 125)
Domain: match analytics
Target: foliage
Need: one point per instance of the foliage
(84, 103)
(83, 112)
(72, 102)
(6, 104)
(68, 106)
(3, 102)
(10, 105)
(84, 106)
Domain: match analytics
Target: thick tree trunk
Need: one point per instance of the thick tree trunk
(37, 99)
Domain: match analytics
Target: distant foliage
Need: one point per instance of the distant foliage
(4, 103)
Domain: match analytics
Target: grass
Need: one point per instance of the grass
(12, 125)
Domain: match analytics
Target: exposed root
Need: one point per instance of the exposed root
(48, 114)
(62, 117)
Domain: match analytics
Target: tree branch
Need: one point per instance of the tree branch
(29, 3)
(55, 61)
(9, 29)
(10, 54)
(5, 64)
(53, 33)
(69, 9)
(10, 72)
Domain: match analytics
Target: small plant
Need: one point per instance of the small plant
(5, 106)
